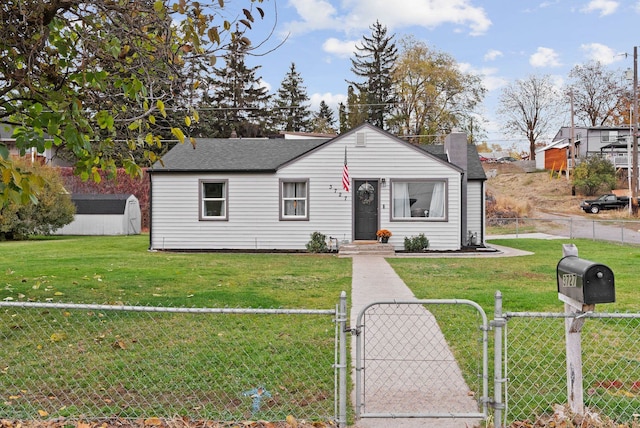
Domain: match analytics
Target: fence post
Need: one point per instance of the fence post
(342, 364)
(498, 323)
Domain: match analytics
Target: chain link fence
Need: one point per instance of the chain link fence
(94, 361)
(616, 230)
(536, 366)
(423, 358)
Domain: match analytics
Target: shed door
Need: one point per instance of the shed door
(366, 209)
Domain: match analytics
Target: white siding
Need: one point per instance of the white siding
(475, 209)
(253, 200)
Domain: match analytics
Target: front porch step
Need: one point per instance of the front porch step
(366, 248)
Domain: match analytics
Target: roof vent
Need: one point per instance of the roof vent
(361, 139)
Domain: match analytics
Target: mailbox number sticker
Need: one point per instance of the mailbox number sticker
(569, 280)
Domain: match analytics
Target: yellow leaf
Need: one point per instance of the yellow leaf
(153, 421)
(160, 106)
(58, 293)
(292, 422)
(152, 119)
(42, 413)
(187, 120)
(177, 132)
(58, 337)
(196, 116)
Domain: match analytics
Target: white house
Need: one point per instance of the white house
(102, 214)
(263, 194)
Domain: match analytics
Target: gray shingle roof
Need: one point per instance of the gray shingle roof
(267, 155)
(235, 155)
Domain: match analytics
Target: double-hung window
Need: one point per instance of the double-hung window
(213, 200)
(419, 200)
(294, 204)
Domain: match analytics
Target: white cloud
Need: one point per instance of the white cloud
(545, 57)
(339, 48)
(355, 15)
(599, 52)
(605, 7)
(492, 54)
(314, 14)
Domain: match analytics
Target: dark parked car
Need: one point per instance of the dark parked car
(506, 159)
(605, 202)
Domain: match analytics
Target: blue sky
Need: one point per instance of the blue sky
(499, 40)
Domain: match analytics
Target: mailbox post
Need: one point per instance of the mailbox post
(581, 284)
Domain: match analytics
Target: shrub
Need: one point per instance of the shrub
(504, 209)
(53, 209)
(318, 243)
(416, 244)
(593, 174)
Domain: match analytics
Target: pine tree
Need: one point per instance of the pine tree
(291, 110)
(236, 102)
(356, 110)
(342, 118)
(374, 62)
(323, 120)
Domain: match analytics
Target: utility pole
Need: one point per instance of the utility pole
(634, 176)
(572, 157)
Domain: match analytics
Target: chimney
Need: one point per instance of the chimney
(455, 146)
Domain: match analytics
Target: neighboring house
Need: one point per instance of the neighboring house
(611, 141)
(263, 194)
(46, 157)
(99, 214)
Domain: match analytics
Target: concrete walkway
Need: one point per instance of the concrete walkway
(441, 386)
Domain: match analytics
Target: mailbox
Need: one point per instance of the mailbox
(585, 281)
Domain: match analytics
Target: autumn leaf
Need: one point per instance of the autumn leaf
(42, 413)
(153, 422)
(58, 337)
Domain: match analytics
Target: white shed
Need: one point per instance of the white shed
(104, 215)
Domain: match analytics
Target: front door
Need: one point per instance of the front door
(365, 209)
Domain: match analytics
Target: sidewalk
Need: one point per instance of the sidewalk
(374, 280)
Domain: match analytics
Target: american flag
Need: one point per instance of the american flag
(346, 184)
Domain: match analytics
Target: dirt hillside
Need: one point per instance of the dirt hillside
(539, 191)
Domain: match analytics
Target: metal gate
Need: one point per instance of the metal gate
(407, 360)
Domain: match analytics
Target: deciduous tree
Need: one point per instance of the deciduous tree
(433, 94)
(530, 107)
(75, 72)
(598, 94)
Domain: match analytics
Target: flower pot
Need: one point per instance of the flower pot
(384, 239)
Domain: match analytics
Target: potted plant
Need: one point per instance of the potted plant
(384, 235)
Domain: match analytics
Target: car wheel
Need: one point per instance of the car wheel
(595, 209)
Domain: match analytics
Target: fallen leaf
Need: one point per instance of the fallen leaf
(118, 344)
(153, 422)
(58, 337)
(42, 413)
(291, 421)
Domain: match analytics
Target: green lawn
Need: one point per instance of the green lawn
(99, 363)
(156, 355)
